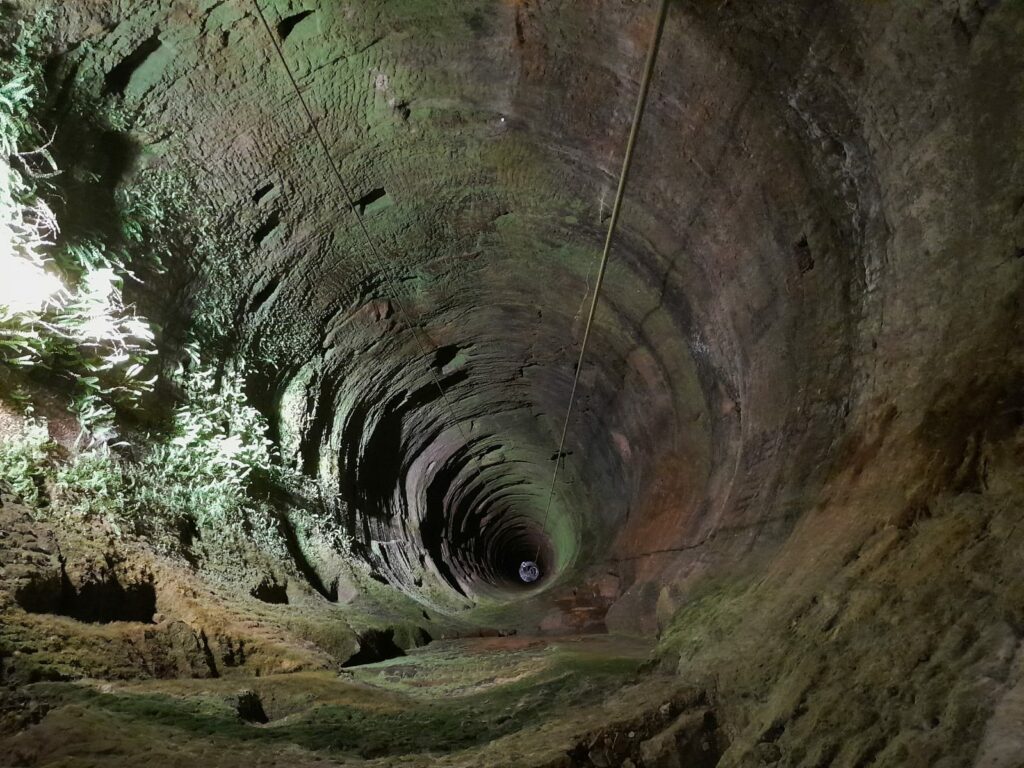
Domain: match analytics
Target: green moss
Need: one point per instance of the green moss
(24, 464)
(389, 726)
(93, 486)
(708, 617)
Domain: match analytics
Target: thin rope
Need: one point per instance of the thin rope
(627, 162)
(392, 288)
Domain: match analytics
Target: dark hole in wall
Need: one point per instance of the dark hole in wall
(375, 645)
(444, 356)
(118, 78)
(60, 80)
(270, 591)
(773, 733)
(262, 192)
(93, 160)
(98, 601)
(107, 601)
(266, 229)
(703, 746)
(233, 655)
(804, 258)
(250, 708)
(367, 201)
(264, 295)
(288, 24)
(119, 154)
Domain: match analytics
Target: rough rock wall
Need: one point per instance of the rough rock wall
(818, 192)
(481, 151)
(803, 393)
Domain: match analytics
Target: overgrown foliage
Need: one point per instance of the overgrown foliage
(65, 323)
(202, 472)
(199, 475)
(62, 306)
(24, 460)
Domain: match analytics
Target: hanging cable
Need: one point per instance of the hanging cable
(645, 87)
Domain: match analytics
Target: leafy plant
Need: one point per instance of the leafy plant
(93, 486)
(62, 308)
(200, 472)
(217, 442)
(76, 327)
(24, 461)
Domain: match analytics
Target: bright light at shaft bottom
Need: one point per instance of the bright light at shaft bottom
(528, 571)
